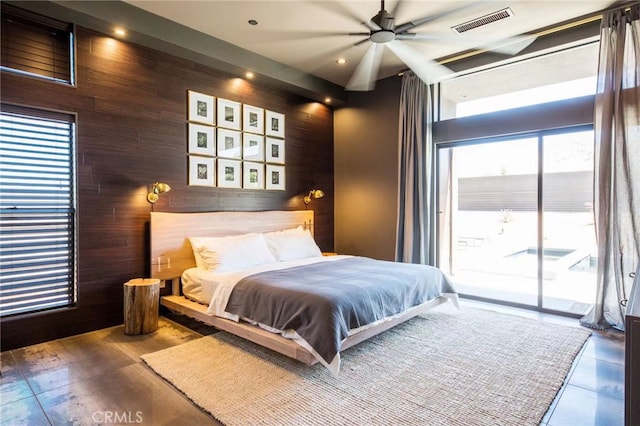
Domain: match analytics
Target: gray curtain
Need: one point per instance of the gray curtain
(413, 242)
(617, 168)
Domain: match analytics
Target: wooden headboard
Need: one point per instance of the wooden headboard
(171, 251)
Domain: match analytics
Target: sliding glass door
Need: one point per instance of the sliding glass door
(515, 220)
(569, 236)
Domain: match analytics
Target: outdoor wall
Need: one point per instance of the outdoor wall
(563, 192)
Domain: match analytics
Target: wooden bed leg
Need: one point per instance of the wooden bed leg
(175, 286)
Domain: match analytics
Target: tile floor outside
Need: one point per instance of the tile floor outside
(98, 378)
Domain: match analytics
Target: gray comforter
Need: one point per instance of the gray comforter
(324, 300)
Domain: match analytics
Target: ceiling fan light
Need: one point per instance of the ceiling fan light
(382, 36)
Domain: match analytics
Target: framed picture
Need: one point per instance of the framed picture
(252, 119)
(202, 140)
(201, 171)
(202, 108)
(274, 151)
(229, 174)
(252, 175)
(275, 178)
(229, 144)
(229, 114)
(252, 147)
(274, 122)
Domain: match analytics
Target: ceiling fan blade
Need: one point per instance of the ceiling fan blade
(397, 8)
(427, 70)
(421, 21)
(372, 25)
(365, 75)
(427, 37)
(279, 35)
(509, 45)
(339, 9)
(505, 45)
(317, 61)
(364, 40)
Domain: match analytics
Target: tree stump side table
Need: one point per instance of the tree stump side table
(141, 305)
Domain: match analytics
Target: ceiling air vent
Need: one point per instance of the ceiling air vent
(483, 20)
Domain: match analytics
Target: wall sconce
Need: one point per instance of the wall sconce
(314, 193)
(158, 188)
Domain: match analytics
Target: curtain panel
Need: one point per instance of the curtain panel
(617, 166)
(413, 242)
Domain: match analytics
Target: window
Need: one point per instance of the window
(35, 45)
(37, 214)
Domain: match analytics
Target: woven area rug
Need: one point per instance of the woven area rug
(446, 367)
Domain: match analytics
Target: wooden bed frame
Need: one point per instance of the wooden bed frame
(171, 254)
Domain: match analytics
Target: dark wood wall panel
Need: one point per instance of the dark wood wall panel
(131, 106)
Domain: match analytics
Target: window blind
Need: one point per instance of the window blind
(36, 44)
(37, 215)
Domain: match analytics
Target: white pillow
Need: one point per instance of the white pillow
(196, 254)
(292, 244)
(225, 254)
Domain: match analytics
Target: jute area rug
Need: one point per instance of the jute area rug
(446, 367)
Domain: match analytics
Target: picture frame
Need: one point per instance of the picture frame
(274, 124)
(252, 147)
(229, 114)
(201, 108)
(229, 143)
(201, 171)
(229, 174)
(274, 151)
(253, 119)
(252, 175)
(275, 178)
(202, 139)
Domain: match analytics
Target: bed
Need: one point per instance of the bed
(260, 276)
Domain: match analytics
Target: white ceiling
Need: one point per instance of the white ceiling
(311, 35)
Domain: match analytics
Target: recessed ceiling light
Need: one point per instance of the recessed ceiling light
(249, 75)
(120, 31)
(341, 61)
(252, 22)
(327, 100)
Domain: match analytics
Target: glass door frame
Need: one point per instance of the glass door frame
(539, 135)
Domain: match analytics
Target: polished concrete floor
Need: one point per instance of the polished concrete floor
(98, 378)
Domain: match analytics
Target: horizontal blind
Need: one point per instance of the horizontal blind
(37, 214)
(36, 45)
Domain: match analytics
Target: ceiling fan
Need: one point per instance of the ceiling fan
(383, 32)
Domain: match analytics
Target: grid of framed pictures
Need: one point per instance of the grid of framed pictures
(234, 145)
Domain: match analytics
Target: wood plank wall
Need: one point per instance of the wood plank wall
(131, 106)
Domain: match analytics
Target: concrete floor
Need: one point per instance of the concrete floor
(98, 378)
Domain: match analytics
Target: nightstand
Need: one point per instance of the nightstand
(141, 305)
(329, 253)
